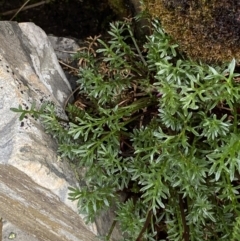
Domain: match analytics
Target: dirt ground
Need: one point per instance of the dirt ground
(65, 18)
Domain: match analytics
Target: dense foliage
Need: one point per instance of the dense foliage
(158, 130)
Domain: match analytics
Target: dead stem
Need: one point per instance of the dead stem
(23, 8)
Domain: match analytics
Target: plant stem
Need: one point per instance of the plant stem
(23, 8)
(149, 215)
(186, 228)
(235, 121)
(137, 48)
(111, 229)
(19, 10)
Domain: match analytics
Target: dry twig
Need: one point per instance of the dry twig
(22, 8)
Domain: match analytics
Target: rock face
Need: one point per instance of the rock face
(34, 181)
(65, 48)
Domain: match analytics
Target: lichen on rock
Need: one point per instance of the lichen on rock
(205, 30)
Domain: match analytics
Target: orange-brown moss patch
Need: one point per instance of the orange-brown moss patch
(207, 30)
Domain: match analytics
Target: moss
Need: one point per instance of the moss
(207, 30)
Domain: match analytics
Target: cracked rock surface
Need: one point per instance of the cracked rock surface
(33, 180)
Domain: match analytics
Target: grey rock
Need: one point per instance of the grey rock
(34, 181)
(12, 232)
(65, 49)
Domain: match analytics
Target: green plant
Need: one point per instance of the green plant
(158, 129)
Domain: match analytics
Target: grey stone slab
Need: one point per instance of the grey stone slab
(34, 181)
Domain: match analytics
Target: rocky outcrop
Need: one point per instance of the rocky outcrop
(65, 49)
(34, 181)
